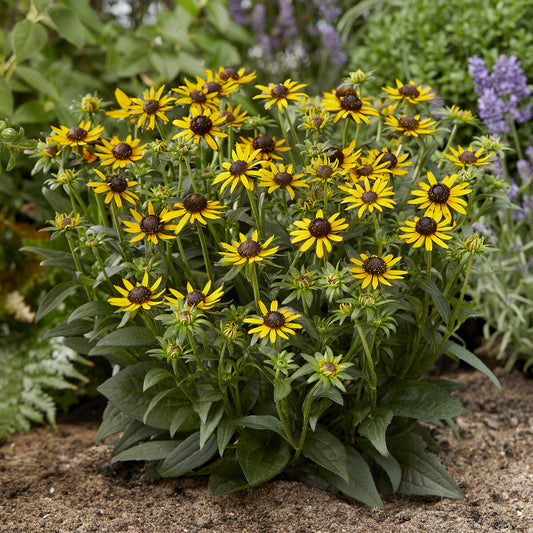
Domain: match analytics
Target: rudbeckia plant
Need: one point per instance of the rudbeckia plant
(271, 290)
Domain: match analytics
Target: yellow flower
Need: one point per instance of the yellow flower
(151, 226)
(116, 187)
(230, 74)
(201, 125)
(78, 135)
(200, 299)
(346, 103)
(242, 169)
(373, 270)
(281, 176)
(142, 295)
(212, 84)
(120, 153)
(316, 118)
(438, 197)
(368, 167)
(247, 250)
(196, 97)
(281, 93)
(267, 146)
(153, 106)
(66, 222)
(426, 230)
(411, 126)
(274, 323)
(233, 118)
(124, 102)
(318, 231)
(410, 92)
(368, 196)
(323, 169)
(196, 207)
(395, 164)
(346, 157)
(463, 158)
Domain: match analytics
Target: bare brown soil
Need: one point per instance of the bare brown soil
(59, 480)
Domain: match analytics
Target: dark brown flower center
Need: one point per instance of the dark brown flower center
(335, 154)
(387, 157)
(369, 197)
(324, 172)
(351, 102)
(229, 116)
(408, 123)
(439, 193)
(249, 248)
(319, 228)
(283, 178)
(228, 73)
(122, 151)
(266, 144)
(198, 97)
(117, 183)
(238, 168)
(139, 295)
(76, 134)
(329, 368)
(151, 107)
(467, 157)
(150, 224)
(365, 170)
(195, 203)
(317, 122)
(279, 91)
(65, 222)
(194, 297)
(426, 226)
(409, 90)
(201, 125)
(274, 320)
(374, 266)
(212, 87)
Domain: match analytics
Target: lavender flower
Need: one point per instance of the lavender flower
(332, 42)
(237, 12)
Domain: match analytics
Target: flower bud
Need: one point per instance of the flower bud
(474, 242)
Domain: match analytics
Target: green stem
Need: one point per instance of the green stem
(306, 410)
(285, 136)
(345, 133)
(516, 140)
(283, 414)
(255, 213)
(199, 361)
(255, 285)
(102, 266)
(118, 229)
(193, 183)
(373, 382)
(205, 252)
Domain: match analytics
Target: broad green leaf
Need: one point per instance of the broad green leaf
(67, 24)
(91, 310)
(86, 13)
(179, 418)
(36, 80)
(6, 98)
(126, 337)
(113, 421)
(28, 39)
(423, 475)
(46, 252)
(226, 478)
(135, 432)
(389, 464)
(225, 431)
(188, 456)
(81, 345)
(165, 63)
(262, 456)
(266, 422)
(155, 376)
(282, 388)
(420, 399)
(54, 298)
(327, 451)
(70, 329)
(441, 302)
(154, 450)
(374, 428)
(360, 484)
(213, 418)
(58, 202)
(155, 400)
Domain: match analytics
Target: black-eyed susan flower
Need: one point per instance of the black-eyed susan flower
(281, 94)
(268, 147)
(410, 92)
(196, 207)
(459, 115)
(368, 167)
(79, 135)
(151, 226)
(212, 84)
(115, 187)
(120, 153)
(233, 118)
(325, 368)
(319, 231)
(274, 323)
(237, 76)
(199, 299)
(464, 158)
(204, 125)
(316, 118)
(196, 97)
(243, 168)
(395, 165)
(437, 197)
(66, 222)
(141, 295)
(281, 177)
(426, 231)
(374, 270)
(347, 103)
(367, 195)
(153, 106)
(411, 126)
(246, 251)
(323, 169)
(345, 157)
(124, 102)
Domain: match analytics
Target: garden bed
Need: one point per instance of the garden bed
(60, 480)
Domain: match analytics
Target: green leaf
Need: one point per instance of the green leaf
(6, 98)
(282, 388)
(113, 421)
(155, 376)
(327, 451)
(54, 298)
(179, 418)
(375, 427)
(91, 310)
(468, 357)
(86, 13)
(147, 451)
(225, 431)
(188, 456)
(266, 422)
(262, 456)
(135, 432)
(165, 63)
(441, 302)
(423, 475)
(226, 478)
(155, 400)
(125, 337)
(36, 80)
(360, 484)
(420, 399)
(67, 24)
(70, 329)
(58, 202)
(207, 428)
(28, 39)
(389, 464)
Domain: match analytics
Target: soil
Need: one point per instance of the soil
(59, 480)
